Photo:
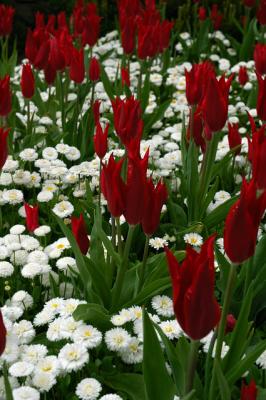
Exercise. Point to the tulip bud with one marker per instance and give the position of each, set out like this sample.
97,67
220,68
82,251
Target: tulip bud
100,140
243,76
202,13
261,100
32,217
260,58
94,70
77,69
125,77
2,334
79,230
249,392
234,138
230,323
6,19
3,146
261,12
27,82
5,96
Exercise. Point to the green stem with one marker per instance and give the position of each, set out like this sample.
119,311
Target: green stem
123,268
100,192
222,324
28,118
63,114
119,236
144,262
208,365
192,363
248,276
8,389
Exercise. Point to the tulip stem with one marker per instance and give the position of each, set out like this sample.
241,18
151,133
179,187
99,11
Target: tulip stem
117,289
28,117
8,390
192,363
144,262
119,236
222,324
248,268
208,364
63,116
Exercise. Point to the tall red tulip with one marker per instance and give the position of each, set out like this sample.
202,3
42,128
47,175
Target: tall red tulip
2,334
249,3
113,187
215,102
202,13
261,12
128,35
6,19
77,68
242,223
5,96
260,58
155,197
234,138
195,306
258,160
100,140
3,146
79,230
261,100
27,81
249,392
125,78
243,75
94,69
32,217
216,17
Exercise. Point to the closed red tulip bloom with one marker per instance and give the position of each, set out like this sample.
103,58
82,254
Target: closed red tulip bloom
197,129
100,140
27,82
128,35
79,230
2,334
125,77
155,198
3,146
249,392
6,19
113,187
96,111
261,99
196,308
196,80
234,138
202,13
32,217
5,96
243,76
230,323
42,56
128,121
260,58
77,68
261,12
216,17
249,3
215,103
94,70
136,189
242,223
91,29
258,159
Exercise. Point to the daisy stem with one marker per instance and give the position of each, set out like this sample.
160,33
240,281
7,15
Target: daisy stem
222,324
192,363
144,262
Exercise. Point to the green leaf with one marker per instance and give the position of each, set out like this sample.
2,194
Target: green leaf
158,114
152,289
219,214
246,49
222,382
130,384
177,214
158,383
192,179
107,84
95,314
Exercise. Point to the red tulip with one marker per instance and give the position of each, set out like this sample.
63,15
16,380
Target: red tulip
242,223
234,138
96,111
261,100
3,146
6,19
128,35
5,96
56,56
42,56
127,119
216,17
2,334
100,140
91,29
113,187
230,323
196,80
94,69
195,306
77,69
197,129
259,158
260,58
27,82
32,217
202,13
243,76
249,3
125,77
155,197
249,392
261,12
215,102
79,230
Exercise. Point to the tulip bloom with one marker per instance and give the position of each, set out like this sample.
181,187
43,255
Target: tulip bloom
128,36
5,96
32,217
3,146
202,13
215,102
260,58
249,392
196,81
77,68
242,223
261,100
27,82
155,197
113,187
258,158
6,19
195,306
94,69
261,12
79,230
243,76
234,138
2,334
96,111
100,140
249,3
125,78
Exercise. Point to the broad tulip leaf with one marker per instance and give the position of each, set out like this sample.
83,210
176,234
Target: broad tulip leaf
131,384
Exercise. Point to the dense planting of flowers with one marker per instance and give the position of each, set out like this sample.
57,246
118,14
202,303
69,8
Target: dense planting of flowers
132,207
